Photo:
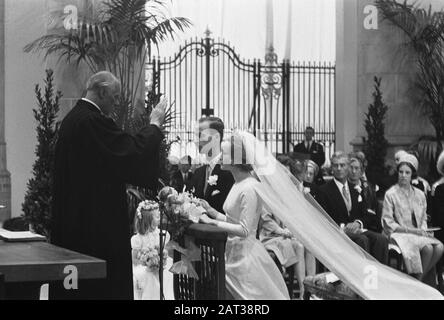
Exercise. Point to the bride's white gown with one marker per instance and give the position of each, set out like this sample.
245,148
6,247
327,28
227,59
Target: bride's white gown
251,274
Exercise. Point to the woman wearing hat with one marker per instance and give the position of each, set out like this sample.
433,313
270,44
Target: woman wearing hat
404,219
310,174
437,200
437,207
418,181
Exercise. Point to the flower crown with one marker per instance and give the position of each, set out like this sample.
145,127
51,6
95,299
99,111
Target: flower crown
147,205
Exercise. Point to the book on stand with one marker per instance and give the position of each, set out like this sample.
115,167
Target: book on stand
20,236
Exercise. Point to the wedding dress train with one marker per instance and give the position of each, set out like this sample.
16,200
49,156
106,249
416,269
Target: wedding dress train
322,237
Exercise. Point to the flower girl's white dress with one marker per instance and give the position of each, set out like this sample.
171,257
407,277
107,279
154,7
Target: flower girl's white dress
145,281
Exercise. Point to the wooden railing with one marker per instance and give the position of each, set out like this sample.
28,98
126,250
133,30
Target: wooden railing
211,269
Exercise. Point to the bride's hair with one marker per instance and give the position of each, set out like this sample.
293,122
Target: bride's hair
238,155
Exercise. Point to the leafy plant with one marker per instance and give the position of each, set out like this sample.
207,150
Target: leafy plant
375,146
38,199
424,31
118,38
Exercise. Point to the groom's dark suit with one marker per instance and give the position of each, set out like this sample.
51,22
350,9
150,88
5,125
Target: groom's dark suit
333,202
214,194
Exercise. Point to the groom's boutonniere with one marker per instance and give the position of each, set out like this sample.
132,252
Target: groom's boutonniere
306,190
359,189
212,180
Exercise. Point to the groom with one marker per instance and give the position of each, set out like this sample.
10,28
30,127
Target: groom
210,182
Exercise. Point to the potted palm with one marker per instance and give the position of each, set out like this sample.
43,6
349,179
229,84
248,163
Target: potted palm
424,33
119,37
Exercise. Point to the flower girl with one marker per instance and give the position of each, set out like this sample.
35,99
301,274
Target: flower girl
145,253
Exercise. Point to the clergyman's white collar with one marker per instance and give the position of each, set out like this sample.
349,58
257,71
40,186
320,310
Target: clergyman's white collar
93,103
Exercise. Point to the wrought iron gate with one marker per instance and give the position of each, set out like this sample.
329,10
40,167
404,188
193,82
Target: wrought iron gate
274,100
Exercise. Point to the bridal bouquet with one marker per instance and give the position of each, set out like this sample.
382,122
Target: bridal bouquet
180,210
150,257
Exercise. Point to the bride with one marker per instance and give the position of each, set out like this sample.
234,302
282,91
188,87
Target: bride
250,272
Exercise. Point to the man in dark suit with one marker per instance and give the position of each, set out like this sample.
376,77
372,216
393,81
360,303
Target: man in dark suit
183,176
346,208
210,182
94,160
309,147
367,192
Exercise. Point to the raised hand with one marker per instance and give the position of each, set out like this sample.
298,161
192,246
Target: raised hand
157,116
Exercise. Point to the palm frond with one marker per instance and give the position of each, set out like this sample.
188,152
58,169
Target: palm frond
117,38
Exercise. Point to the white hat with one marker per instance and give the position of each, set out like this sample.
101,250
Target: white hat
398,155
409,158
440,163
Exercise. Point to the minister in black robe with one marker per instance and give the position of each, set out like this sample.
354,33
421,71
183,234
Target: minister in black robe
94,159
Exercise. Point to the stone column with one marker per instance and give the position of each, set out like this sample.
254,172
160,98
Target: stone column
346,73
362,54
5,176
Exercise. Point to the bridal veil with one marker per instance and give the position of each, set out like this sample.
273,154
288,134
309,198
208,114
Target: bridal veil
322,237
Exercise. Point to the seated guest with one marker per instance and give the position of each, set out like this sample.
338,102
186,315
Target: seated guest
181,179
417,182
437,200
404,220
311,171
366,190
172,167
295,167
287,162
287,249
271,225
345,207
437,210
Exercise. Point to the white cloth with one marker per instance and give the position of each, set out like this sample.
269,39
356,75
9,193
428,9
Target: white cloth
311,225
146,282
93,103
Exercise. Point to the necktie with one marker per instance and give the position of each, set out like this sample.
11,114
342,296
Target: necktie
414,223
207,175
347,198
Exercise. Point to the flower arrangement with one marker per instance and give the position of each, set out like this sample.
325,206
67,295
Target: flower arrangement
359,190
179,209
150,257
212,180
147,205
